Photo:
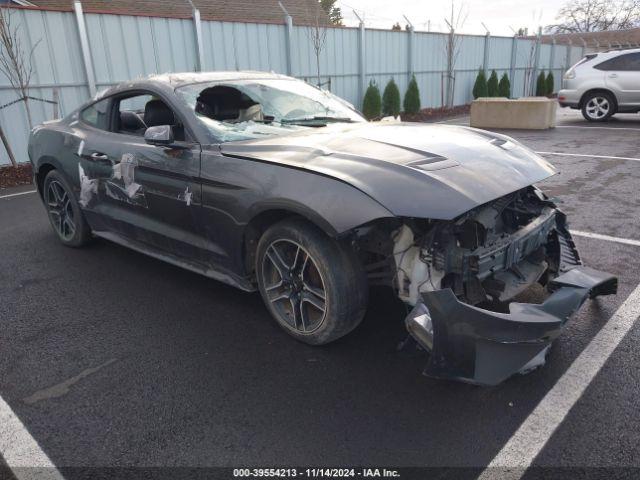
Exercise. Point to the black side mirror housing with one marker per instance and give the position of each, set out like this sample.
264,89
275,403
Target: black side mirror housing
161,135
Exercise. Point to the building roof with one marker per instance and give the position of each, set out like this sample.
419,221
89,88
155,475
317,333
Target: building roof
303,12
597,40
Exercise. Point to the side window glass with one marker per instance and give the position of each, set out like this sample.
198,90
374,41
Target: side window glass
634,62
135,114
606,65
96,114
623,63
135,104
130,115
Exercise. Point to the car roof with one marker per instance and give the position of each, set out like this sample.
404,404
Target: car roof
619,51
174,80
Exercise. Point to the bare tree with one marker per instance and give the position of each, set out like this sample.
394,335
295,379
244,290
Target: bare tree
7,147
452,48
317,33
596,16
15,59
529,79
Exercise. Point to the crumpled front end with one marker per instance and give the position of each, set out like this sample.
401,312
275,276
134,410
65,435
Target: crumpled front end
466,280
479,346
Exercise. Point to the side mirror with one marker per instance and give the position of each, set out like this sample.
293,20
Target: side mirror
159,135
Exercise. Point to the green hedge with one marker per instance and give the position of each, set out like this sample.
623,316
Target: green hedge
550,83
492,84
480,85
391,99
372,103
541,85
411,102
504,87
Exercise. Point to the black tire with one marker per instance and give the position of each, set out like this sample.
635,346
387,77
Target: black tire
64,212
314,262
598,106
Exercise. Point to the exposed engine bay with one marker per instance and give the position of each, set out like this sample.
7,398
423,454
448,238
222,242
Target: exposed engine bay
489,254
492,253
462,276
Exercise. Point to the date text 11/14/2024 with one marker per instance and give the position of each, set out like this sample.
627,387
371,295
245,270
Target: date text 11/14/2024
315,473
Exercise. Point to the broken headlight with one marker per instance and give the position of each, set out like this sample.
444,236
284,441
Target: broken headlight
420,326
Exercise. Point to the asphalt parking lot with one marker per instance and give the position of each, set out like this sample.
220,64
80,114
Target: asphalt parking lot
113,359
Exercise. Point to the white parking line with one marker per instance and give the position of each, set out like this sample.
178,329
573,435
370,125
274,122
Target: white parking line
16,194
607,157
457,119
598,236
528,441
599,128
20,450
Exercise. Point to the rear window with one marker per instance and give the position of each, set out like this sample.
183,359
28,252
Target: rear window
586,59
96,114
583,60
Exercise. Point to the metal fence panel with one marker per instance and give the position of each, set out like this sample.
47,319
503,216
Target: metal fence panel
55,62
341,60
500,53
386,57
125,47
576,54
430,66
545,56
470,54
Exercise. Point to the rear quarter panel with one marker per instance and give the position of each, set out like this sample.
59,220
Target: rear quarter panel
57,144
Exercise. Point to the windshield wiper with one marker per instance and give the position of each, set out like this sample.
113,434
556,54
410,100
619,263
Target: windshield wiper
315,121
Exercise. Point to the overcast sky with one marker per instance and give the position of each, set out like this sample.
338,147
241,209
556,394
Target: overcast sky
498,15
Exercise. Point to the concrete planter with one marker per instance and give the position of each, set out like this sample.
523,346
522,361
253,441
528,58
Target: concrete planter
528,113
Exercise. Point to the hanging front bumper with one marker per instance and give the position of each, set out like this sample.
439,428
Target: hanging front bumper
482,347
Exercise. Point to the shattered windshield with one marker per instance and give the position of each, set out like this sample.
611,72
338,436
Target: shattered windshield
246,109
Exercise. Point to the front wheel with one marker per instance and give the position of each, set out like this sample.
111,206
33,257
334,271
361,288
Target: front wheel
598,107
313,286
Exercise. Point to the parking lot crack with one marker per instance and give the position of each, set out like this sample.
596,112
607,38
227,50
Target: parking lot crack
62,388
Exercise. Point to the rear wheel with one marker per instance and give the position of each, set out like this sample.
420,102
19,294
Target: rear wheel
64,212
598,107
313,286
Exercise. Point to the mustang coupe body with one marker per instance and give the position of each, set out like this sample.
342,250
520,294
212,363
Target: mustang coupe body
267,183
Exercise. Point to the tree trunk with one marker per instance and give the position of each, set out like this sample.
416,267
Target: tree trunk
26,106
56,104
450,53
318,68
8,148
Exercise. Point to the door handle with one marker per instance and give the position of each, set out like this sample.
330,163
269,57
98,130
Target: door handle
99,157
613,75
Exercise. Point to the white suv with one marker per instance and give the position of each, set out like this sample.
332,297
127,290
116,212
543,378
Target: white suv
602,84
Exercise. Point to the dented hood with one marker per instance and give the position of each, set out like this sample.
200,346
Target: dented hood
414,170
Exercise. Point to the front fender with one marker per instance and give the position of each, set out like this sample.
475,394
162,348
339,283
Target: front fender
237,189
336,209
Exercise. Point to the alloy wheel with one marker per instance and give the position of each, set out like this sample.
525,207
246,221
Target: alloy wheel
294,286
598,107
60,210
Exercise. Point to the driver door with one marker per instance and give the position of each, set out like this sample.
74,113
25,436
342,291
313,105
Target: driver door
156,188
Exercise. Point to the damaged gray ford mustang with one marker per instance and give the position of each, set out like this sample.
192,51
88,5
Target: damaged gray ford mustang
267,183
